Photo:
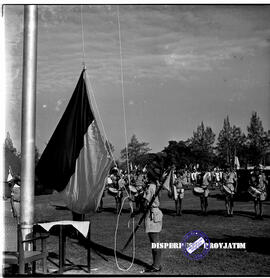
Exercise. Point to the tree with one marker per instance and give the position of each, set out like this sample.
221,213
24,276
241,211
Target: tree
136,150
257,140
178,154
231,142
201,145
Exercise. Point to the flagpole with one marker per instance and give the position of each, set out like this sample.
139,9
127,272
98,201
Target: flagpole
28,119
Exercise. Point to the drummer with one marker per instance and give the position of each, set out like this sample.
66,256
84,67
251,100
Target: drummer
117,183
258,180
204,184
179,182
229,179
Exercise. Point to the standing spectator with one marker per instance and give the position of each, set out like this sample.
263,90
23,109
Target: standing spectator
229,189
259,182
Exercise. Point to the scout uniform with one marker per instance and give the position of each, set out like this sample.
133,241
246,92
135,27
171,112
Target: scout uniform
153,219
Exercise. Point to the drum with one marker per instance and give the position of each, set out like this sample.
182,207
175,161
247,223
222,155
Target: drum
181,192
198,191
227,189
133,189
254,192
263,196
112,191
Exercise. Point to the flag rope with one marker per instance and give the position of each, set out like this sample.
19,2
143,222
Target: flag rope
83,50
106,138
122,89
127,159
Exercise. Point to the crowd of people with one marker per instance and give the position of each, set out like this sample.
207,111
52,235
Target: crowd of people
201,181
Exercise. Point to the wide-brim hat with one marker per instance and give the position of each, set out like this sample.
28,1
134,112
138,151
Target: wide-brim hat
156,165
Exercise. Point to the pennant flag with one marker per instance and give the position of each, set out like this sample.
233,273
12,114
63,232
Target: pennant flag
169,184
236,163
76,162
144,170
10,176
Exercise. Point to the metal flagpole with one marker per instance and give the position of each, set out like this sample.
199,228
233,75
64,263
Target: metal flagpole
28,119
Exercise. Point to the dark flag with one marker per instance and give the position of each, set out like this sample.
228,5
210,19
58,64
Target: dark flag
76,162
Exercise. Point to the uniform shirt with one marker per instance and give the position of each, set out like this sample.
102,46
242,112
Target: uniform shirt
150,192
259,181
206,179
229,177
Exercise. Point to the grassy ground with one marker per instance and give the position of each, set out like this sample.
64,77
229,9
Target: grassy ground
255,260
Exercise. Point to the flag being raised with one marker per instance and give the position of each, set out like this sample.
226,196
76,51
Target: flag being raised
76,161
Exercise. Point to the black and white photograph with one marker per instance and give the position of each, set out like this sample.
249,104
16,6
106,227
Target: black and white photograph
136,139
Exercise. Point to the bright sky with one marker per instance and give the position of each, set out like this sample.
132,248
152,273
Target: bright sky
182,64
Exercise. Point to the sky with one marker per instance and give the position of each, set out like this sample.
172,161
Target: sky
182,64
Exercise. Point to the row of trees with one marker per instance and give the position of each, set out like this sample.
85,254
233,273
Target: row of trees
201,148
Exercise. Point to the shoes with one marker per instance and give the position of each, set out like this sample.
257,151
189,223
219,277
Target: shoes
152,269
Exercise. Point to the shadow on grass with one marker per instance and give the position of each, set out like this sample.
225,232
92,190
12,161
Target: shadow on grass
60,207
110,252
98,248
219,212
113,210
194,212
253,244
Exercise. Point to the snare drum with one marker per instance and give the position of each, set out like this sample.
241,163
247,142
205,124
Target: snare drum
198,191
112,191
263,196
228,189
254,192
133,189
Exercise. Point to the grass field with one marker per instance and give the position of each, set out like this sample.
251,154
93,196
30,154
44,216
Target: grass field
254,260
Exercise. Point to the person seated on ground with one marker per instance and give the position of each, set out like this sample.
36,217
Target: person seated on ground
259,182
229,181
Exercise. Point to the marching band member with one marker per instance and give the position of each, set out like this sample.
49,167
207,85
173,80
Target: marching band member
229,180
259,182
194,176
179,182
118,187
205,181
